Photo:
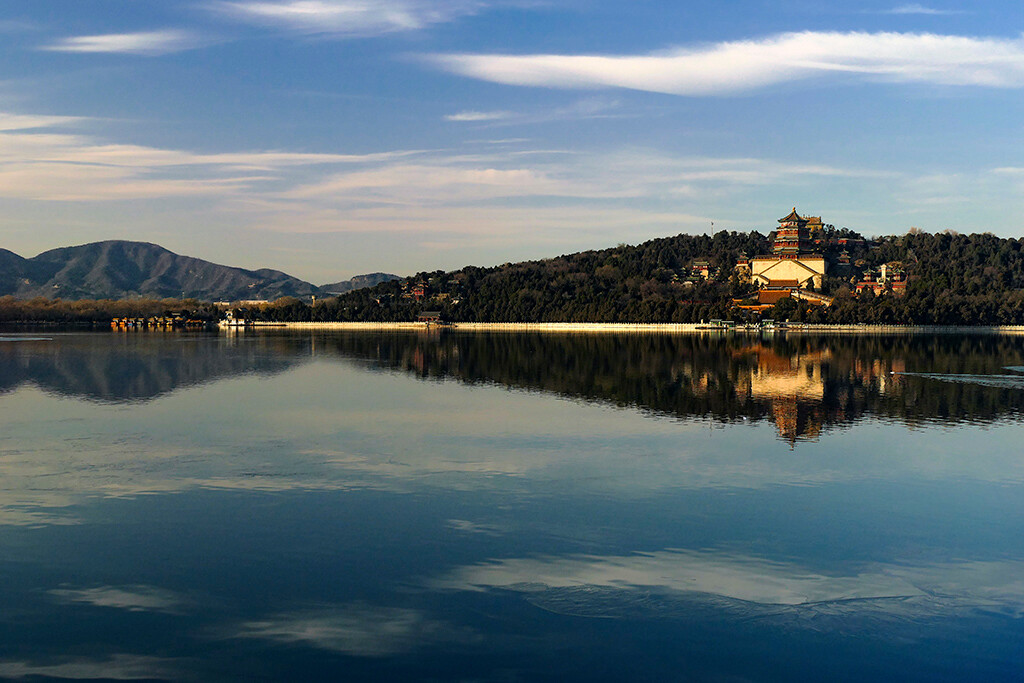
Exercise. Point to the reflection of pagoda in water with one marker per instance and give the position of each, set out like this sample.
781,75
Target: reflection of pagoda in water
794,387
797,421
805,385
800,399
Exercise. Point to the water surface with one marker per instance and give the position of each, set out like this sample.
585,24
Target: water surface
506,507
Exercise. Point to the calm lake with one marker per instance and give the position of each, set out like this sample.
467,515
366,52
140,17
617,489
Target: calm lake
511,507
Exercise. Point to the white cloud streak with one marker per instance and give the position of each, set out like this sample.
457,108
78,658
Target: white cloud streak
489,195
743,66
13,122
586,108
435,183
40,164
622,175
147,43
347,18
921,9
493,193
476,116
16,26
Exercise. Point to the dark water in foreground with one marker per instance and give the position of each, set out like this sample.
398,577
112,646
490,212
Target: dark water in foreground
504,507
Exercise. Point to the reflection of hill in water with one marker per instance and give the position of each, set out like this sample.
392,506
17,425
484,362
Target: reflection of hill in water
138,366
803,384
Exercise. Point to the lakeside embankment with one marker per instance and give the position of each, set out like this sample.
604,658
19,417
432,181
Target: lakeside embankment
501,327
566,328
678,328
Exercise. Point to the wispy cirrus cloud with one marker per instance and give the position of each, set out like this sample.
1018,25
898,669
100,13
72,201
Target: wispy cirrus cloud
17,26
477,116
352,18
743,66
586,108
435,183
921,9
630,174
487,192
11,122
39,163
148,43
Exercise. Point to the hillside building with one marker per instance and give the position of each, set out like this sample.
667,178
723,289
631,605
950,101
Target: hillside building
795,260
703,270
795,266
886,279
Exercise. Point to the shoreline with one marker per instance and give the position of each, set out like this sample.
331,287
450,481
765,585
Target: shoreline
573,328
643,328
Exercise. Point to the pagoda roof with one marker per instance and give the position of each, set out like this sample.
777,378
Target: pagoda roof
793,216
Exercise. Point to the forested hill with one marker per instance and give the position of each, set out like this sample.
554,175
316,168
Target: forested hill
646,282
953,279
118,269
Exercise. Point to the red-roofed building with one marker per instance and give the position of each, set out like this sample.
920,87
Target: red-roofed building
793,258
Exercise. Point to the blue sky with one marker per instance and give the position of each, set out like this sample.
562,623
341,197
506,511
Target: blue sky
329,138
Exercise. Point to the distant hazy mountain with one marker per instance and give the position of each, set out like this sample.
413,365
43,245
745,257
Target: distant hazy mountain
358,282
119,269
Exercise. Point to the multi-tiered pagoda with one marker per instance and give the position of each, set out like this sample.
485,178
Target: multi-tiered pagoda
793,238
794,262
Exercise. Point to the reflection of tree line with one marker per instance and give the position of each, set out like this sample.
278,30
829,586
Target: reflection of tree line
133,367
801,383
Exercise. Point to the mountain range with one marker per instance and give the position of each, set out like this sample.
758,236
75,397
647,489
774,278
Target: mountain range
118,269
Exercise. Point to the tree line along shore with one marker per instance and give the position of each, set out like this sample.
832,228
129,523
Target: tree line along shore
40,310
951,279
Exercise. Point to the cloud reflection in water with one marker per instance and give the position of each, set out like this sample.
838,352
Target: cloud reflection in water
118,667
136,598
359,630
745,581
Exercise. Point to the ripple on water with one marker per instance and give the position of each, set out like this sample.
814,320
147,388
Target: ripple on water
997,381
861,616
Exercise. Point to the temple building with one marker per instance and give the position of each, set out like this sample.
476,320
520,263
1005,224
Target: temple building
888,278
795,261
